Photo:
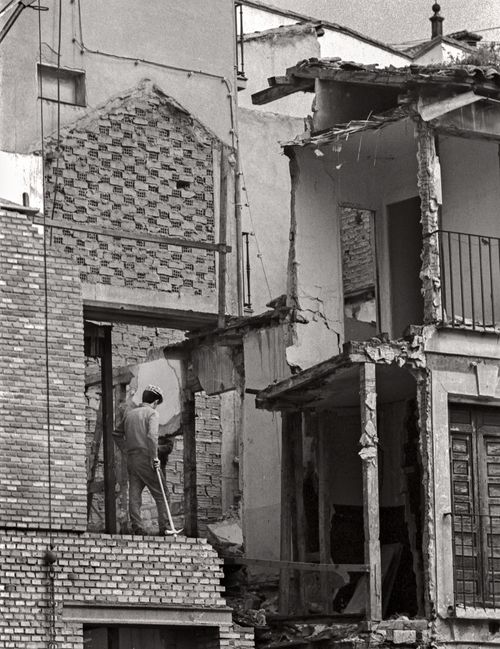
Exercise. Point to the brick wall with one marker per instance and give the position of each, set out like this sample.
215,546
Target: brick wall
24,485
94,570
140,164
91,569
358,267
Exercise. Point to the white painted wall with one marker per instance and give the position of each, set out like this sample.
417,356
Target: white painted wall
269,55
20,173
441,53
350,48
256,20
163,32
267,214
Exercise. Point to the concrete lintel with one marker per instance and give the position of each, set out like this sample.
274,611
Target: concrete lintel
457,342
142,615
119,306
475,613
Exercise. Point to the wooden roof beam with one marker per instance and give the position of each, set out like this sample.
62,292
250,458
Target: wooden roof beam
282,89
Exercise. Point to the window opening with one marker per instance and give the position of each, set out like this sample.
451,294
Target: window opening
72,84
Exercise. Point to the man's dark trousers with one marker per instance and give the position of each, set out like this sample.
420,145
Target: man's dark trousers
142,474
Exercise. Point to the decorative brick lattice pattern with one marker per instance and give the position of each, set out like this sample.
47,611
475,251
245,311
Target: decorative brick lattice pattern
358,265
24,485
139,164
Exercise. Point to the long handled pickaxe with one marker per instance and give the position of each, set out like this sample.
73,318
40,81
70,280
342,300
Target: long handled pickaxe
172,529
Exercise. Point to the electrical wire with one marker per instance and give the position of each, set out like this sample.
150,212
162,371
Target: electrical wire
49,556
259,251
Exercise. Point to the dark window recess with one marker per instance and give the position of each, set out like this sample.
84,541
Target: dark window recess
71,85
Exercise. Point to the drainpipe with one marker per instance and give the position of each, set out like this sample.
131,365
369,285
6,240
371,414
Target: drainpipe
239,236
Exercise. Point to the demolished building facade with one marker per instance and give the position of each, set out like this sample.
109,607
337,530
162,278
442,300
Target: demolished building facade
140,243
392,435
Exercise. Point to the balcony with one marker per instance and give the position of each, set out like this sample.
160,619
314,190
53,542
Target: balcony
470,280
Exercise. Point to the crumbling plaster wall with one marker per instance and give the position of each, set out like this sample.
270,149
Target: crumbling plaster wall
314,271
268,185
370,170
154,36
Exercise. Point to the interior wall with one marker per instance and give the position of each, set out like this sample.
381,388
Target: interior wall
372,170
470,268
260,458
470,176
315,263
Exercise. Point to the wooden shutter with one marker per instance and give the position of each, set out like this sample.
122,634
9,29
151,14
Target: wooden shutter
475,476
466,537
488,429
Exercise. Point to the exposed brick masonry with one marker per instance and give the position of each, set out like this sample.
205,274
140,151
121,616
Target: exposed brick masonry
92,569
358,270
23,435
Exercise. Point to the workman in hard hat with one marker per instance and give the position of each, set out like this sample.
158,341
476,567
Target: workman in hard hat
139,432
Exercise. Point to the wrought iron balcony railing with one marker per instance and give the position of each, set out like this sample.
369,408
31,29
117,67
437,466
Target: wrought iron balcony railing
470,280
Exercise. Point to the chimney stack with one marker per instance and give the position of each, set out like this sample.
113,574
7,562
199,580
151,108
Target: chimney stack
437,21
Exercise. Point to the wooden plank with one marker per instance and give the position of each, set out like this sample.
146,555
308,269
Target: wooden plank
300,516
136,235
222,266
279,91
94,459
432,109
324,515
286,512
331,568
107,432
189,450
301,380
369,460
